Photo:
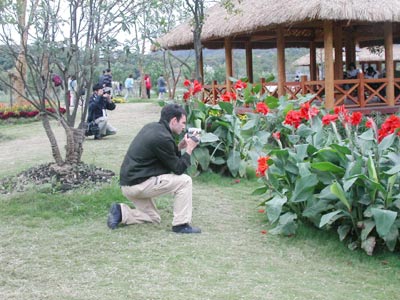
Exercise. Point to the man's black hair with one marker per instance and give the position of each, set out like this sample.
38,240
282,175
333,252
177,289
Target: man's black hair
171,111
97,87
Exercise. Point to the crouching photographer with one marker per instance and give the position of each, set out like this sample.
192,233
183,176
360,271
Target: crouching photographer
99,103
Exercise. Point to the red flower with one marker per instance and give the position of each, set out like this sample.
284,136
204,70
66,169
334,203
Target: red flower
261,211
227,97
355,118
186,83
340,110
328,119
186,95
276,135
262,166
263,231
293,118
370,123
197,87
262,108
307,112
240,85
389,126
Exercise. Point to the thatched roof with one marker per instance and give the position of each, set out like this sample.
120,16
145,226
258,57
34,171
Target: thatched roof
363,55
302,19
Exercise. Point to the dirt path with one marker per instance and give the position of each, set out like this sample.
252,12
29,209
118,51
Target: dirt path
30,145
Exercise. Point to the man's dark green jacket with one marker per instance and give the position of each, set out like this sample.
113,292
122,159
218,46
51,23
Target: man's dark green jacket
152,152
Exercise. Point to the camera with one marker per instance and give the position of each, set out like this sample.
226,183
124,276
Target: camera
192,132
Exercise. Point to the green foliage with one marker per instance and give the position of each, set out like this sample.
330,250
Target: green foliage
347,184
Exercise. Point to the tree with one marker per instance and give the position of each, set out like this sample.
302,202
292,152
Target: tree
65,39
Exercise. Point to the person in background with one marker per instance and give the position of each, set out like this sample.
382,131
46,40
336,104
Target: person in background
99,103
161,84
352,72
154,165
147,82
129,86
73,89
107,80
370,73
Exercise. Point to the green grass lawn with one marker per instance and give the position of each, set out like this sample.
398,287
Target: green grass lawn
57,246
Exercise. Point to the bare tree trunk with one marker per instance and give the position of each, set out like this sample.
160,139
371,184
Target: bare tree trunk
52,138
74,148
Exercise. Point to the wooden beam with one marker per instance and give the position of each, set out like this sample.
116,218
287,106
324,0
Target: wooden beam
280,41
388,30
201,67
228,63
313,61
249,62
329,70
338,51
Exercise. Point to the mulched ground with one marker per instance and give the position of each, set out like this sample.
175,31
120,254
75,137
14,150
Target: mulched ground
57,178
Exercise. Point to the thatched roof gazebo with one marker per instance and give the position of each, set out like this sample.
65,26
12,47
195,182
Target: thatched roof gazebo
292,23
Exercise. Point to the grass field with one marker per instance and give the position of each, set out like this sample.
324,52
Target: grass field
57,246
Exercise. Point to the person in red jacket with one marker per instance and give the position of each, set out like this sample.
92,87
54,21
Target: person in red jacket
147,81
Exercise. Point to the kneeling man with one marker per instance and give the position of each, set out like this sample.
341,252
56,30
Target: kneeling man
154,166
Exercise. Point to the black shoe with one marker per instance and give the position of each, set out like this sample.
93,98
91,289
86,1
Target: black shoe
98,137
185,228
114,216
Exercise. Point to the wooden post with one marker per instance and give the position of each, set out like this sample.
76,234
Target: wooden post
201,67
329,72
338,51
281,61
361,89
249,62
389,62
303,79
228,63
214,92
262,81
313,61
350,50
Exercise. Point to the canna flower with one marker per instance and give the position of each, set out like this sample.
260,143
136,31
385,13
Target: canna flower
390,125
262,165
227,97
328,119
186,83
276,135
261,211
293,118
370,123
356,118
262,108
263,231
240,85
307,112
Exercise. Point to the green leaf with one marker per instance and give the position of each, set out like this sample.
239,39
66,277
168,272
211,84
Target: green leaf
260,191
209,138
394,170
250,124
274,208
371,169
338,191
233,162
348,183
368,245
226,106
391,237
327,167
368,225
386,142
203,157
384,219
272,102
218,160
341,149
343,231
304,188
287,225
367,135
301,152
330,217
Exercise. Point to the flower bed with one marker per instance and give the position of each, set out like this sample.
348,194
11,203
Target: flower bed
23,111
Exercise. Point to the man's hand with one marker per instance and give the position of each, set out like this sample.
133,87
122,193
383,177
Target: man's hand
188,143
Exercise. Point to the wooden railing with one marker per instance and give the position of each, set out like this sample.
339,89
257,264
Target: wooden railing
360,92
